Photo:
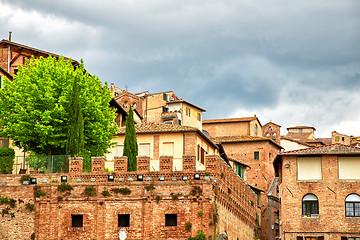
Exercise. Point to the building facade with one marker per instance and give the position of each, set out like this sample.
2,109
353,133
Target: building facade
319,188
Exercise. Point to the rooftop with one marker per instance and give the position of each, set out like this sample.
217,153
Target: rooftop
338,149
228,120
227,139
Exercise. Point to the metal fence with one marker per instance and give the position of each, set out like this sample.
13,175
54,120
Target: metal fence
41,164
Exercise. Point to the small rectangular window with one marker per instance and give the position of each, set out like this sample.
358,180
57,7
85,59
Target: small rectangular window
165,109
179,122
170,219
144,149
165,96
4,143
199,116
343,139
256,155
337,138
123,220
76,220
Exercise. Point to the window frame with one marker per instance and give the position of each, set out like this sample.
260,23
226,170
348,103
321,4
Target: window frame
355,205
312,205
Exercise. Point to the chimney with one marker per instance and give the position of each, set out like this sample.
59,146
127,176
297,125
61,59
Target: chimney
10,36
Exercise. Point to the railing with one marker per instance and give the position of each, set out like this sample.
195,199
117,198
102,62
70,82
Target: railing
41,164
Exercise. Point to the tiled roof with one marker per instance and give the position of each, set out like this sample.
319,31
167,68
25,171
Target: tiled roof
294,140
298,136
4,41
183,101
223,139
301,127
338,149
159,127
227,120
326,141
227,139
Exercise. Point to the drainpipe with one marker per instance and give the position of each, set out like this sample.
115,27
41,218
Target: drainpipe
9,53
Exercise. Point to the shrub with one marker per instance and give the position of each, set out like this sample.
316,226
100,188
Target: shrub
105,193
7,156
90,191
196,191
200,213
25,178
12,203
150,187
175,197
30,207
4,200
38,192
123,191
65,187
188,226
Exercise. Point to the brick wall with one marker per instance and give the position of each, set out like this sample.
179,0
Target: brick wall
331,194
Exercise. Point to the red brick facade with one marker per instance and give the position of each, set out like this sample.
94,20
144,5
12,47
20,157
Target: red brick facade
330,223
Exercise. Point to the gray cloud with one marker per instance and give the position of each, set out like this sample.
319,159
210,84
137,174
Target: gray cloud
292,62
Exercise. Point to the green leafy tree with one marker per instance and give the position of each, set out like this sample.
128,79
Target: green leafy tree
130,142
7,156
75,143
35,108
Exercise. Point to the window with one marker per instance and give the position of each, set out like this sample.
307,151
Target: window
123,220
343,139
165,109
256,156
0,81
274,136
349,167
188,112
168,149
336,138
352,205
270,128
240,171
256,129
119,150
16,71
4,143
165,96
76,220
179,122
144,149
170,219
199,116
309,168
310,205
201,154
310,238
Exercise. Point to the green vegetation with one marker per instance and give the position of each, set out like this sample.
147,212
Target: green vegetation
7,156
123,191
64,187
200,213
188,226
106,193
30,207
158,198
130,142
199,236
39,102
150,187
75,137
38,193
25,178
175,197
196,191
90,191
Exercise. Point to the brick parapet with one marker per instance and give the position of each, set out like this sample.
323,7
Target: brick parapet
75,165
143,164
97,165
166,164
189,163
120,164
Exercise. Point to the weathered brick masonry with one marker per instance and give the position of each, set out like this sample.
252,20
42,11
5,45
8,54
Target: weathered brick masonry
219,201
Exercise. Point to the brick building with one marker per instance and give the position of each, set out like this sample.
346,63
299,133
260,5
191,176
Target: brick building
148,204
319,188
242,141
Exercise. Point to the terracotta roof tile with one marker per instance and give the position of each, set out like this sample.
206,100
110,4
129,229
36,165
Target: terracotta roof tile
226,120
159,127
326,149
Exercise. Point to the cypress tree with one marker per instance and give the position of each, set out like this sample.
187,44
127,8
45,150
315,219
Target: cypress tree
75,142
130,142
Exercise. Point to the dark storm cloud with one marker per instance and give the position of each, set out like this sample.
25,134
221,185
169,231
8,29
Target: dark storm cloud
292,62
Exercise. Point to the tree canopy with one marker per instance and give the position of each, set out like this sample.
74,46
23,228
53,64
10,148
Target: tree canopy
130,142
36,107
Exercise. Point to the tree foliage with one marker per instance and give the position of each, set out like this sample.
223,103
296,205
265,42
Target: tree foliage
130,142
75,143
35,107
6,159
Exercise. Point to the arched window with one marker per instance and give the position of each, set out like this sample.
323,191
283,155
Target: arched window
352,205
310,205
256,129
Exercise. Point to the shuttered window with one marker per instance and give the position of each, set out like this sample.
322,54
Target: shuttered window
349,167
144,149
309,168
168,149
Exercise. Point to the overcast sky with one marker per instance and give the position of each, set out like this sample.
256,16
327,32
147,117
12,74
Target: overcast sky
289,62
